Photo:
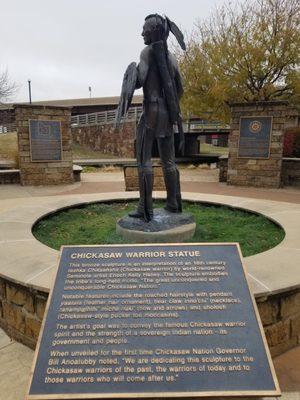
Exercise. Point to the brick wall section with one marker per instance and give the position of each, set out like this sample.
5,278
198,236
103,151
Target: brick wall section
106,139
22,309
44,173
132,181
251,171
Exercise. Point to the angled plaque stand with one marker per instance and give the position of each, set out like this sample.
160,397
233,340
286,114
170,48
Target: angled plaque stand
143,321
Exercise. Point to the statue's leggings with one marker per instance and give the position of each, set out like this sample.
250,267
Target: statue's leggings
144,144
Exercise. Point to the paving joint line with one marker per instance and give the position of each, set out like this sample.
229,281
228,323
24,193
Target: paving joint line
40,273
16,240
261,283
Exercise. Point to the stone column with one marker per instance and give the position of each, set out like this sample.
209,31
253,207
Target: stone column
40,169
257,168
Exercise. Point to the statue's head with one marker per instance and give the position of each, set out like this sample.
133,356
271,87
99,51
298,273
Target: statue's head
154,28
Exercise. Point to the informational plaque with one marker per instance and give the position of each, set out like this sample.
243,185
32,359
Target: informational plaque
45,140
151,321
255,134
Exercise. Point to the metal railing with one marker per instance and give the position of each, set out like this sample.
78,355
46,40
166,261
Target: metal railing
104,117
199,126
7,128
134,113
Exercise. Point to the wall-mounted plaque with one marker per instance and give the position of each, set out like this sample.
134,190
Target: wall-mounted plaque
45,140
255,135
151,321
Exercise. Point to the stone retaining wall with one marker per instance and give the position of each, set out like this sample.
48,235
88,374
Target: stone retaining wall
12,176
290,171
22,309
105,139
280,315
132,181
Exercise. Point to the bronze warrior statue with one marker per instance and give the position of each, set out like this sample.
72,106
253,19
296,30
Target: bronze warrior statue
158,74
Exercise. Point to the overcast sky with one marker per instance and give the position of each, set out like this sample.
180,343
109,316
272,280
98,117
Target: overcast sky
65,46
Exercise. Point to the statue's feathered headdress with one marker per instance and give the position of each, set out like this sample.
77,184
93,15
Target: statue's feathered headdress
162,26
166,26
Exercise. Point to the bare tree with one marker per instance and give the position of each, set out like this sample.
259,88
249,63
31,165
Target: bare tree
7,88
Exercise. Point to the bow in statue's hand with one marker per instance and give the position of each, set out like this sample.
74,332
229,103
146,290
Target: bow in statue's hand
128,87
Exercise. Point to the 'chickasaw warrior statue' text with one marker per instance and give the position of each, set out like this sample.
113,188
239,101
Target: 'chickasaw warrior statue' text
158,74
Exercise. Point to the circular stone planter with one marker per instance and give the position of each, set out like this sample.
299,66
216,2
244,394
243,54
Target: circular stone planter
27,266
164,227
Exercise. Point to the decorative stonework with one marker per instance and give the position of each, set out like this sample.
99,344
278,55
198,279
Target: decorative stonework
45,172
259,172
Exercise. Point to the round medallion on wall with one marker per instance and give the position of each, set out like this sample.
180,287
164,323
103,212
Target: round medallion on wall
255,126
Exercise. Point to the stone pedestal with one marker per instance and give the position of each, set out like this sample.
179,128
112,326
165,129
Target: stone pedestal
165,227
52,170
256,165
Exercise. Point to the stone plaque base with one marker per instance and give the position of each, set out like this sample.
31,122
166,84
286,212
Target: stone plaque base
165,227
44,143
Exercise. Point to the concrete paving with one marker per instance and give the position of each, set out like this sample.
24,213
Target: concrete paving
19,206
15,364
193,179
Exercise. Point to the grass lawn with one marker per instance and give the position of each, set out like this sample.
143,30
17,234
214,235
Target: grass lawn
96,224
9,146
209,148
83,152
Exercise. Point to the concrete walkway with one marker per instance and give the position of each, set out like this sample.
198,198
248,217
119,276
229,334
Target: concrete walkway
15,364
193,179
16,359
